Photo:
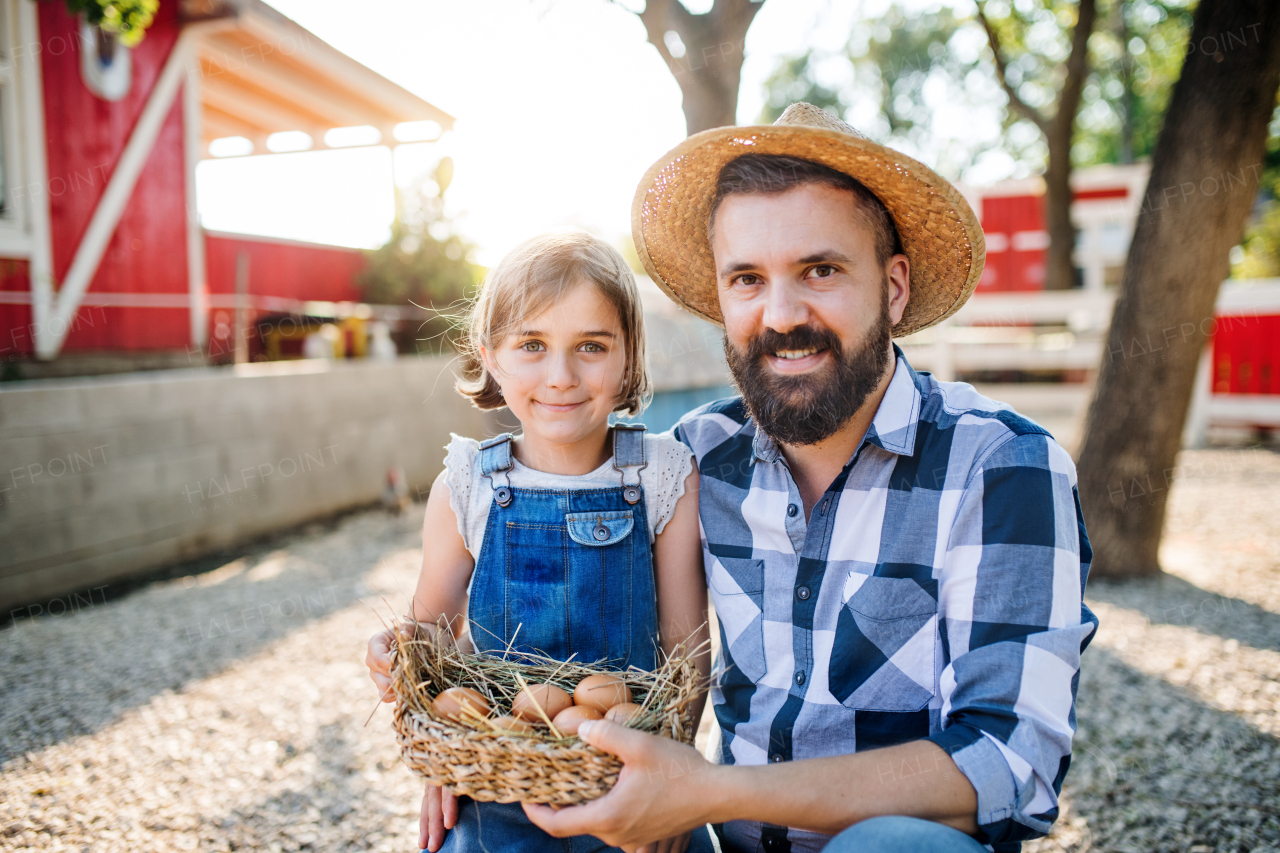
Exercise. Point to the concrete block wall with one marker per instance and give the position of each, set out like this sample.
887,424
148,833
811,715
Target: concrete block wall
104,478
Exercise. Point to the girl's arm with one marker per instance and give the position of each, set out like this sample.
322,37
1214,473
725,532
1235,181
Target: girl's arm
682,586
446,564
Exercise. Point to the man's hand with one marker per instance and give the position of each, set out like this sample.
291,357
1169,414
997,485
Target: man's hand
378,659
439,815
664,787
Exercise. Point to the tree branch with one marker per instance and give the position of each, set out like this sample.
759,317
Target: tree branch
735,16
1015,100
661,16
1077,64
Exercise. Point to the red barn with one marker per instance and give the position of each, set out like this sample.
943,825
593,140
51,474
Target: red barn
101,250
1104,207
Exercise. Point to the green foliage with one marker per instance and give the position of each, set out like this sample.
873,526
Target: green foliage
127,19
792,81
1260,255
890,65
425,263
889,79
1133,83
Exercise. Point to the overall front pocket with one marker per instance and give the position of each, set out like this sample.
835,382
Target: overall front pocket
601,528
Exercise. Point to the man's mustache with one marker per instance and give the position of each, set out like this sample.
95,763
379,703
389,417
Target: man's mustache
770,341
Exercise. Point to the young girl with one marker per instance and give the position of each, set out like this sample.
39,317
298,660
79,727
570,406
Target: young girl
572,538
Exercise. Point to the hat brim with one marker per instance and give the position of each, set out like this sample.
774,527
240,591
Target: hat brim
940,233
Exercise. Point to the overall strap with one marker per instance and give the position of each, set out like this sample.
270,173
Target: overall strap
495,458
628,458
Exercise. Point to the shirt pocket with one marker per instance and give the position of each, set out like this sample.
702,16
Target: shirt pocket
599,529
737,591
882,657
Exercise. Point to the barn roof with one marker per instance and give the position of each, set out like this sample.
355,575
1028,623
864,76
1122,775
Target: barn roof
263,73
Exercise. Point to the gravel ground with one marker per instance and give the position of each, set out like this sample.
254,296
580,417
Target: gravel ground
1179,705
228,710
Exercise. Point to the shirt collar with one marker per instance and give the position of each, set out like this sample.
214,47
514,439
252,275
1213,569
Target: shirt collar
894,426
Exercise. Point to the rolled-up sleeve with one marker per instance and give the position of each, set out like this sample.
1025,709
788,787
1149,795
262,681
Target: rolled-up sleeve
1013,626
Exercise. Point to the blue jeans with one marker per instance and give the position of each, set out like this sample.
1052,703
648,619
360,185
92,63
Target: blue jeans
503,827
892,834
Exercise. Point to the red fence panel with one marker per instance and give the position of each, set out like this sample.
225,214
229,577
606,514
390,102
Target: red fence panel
1246,355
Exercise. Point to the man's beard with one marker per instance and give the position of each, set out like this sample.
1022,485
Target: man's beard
808,408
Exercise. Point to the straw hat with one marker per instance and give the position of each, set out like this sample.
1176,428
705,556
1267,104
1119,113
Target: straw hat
939,231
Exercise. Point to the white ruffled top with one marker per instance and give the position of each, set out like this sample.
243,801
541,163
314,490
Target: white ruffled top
471,495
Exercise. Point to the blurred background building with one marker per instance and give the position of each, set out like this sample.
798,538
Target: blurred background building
106,265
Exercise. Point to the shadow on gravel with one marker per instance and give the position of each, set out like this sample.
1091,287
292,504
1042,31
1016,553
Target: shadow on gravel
1157,769
343,802
1170,600
62,677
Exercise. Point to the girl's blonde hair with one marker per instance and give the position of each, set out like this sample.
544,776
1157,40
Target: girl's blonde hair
528,281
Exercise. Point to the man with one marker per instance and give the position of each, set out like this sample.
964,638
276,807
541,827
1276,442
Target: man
897,564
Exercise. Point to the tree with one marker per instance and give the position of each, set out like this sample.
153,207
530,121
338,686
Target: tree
888,65
1204,178
704,54
425,263
1040,50
910,68
1058,126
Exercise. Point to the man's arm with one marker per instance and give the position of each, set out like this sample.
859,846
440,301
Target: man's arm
827,795
667,788
1010,606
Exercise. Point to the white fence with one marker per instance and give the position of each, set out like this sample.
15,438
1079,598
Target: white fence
1005,331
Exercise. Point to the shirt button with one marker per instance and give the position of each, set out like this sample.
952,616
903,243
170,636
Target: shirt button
776,757
800,677
792,510
803,593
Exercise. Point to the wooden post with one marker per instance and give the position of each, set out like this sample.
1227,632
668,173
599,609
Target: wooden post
242,308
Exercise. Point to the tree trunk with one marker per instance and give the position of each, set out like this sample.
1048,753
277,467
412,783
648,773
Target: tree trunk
1060,267
710,71
1059,133
1204,178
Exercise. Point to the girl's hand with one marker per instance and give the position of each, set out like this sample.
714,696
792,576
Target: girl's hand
439,815
378,659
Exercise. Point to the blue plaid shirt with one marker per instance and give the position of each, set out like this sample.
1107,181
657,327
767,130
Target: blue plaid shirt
935,592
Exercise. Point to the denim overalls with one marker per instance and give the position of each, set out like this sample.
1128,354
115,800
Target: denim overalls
563,573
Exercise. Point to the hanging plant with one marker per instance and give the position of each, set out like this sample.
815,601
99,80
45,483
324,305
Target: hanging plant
126,19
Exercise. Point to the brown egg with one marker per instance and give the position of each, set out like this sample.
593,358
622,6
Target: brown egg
601,692
454,702
623,713
568,720
512,726
551,699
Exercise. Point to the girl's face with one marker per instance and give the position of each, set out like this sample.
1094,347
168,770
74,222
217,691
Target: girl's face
561,372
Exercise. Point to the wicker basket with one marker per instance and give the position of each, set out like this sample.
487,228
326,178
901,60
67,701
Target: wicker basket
486,764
